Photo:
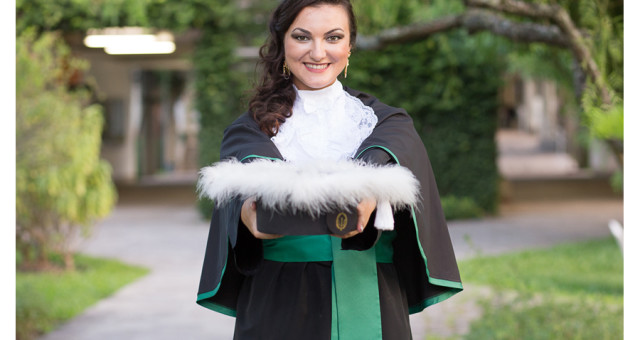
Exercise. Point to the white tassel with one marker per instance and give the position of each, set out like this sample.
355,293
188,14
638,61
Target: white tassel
384,216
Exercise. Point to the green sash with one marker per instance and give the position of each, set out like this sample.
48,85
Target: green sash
355,297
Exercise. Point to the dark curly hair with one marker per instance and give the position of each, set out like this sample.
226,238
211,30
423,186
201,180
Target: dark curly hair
274,96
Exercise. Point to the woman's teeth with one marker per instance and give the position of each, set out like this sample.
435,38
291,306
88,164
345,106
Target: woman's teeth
317,67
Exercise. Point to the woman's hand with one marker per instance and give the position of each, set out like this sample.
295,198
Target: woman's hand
249,218
364,208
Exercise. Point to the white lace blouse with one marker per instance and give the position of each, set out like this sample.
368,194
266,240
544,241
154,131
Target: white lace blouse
328,124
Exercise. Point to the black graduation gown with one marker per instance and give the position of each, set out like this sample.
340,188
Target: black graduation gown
271,299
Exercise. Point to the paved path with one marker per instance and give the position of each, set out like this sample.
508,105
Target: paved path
170,240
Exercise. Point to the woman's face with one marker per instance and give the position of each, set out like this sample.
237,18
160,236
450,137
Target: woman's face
316,46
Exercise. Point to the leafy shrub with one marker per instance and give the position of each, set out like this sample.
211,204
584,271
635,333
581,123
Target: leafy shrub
460,208
61,183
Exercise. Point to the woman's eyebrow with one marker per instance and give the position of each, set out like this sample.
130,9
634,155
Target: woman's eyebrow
302,30
309,33
334,30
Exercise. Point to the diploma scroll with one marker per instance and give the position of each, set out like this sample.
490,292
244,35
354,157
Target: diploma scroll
337,222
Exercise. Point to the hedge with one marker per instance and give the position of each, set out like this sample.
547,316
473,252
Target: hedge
449,85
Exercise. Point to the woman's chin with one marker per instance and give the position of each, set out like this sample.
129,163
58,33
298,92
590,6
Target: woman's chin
314,85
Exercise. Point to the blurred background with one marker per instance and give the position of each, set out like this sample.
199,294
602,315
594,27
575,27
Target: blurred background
120,102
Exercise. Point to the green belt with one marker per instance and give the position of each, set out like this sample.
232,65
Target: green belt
318,248
355,299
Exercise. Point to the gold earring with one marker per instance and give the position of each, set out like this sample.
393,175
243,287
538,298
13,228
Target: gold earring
346,67
286,72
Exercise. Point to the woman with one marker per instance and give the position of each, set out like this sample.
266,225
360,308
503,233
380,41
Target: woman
361,286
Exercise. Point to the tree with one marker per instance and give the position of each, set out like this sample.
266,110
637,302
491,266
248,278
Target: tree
591,30
61,183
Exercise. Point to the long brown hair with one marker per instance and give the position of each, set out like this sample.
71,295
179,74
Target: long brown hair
274,96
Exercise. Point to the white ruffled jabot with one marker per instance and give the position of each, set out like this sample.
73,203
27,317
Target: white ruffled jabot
325,124
328,124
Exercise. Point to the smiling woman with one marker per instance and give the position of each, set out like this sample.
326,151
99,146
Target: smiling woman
295,283
274,97
316,51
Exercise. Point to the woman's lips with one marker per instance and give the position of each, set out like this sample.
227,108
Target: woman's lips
316,67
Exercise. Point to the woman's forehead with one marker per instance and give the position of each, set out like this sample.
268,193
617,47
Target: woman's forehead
321,19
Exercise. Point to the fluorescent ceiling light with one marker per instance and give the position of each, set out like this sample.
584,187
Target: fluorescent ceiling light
155,47
104,40
130,40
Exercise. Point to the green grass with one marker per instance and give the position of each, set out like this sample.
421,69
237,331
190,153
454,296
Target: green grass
572,291
45,300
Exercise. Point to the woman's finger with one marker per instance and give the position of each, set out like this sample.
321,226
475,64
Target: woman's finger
347,235
365,208
263,236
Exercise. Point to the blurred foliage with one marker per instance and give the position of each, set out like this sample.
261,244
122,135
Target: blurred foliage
460,208
80,15
61,183
571,291
223,85
617,181
375,15
449,85
602,22
45,300
607,122
539,61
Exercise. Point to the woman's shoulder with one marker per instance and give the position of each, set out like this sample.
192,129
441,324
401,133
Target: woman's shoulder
243,137
245,119
381,109
245,123
242,128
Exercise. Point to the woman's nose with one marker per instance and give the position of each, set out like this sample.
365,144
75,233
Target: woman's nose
318,51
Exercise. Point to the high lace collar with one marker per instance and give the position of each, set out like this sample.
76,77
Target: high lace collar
316,100
327,124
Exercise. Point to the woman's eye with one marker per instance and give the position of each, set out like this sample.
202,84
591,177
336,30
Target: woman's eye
301,38
334,38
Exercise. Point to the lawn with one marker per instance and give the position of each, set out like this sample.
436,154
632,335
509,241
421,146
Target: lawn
572,291
45,300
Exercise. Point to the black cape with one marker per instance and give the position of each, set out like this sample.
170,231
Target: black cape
423,254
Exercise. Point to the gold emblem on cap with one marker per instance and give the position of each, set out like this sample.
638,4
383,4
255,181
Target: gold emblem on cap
341,221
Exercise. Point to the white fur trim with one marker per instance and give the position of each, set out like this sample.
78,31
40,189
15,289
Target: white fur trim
314,187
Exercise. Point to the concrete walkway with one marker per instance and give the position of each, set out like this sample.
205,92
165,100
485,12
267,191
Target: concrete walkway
170,240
